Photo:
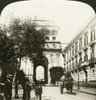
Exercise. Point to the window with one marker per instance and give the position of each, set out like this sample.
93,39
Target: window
47,38
54,32
76,61
54,45
92,35
76,47
92,53
53,38
72,50
69,64
80,44
86,56
47,46
80,60
85,39
72,62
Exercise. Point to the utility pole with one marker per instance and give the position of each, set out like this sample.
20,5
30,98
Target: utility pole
78,80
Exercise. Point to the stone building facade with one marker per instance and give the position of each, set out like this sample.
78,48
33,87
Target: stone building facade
80,55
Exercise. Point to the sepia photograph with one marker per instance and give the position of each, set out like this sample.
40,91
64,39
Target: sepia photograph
47,50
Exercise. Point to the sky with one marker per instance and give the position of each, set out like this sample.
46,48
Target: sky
70,16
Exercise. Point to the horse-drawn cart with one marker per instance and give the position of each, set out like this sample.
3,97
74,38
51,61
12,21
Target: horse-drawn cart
68,84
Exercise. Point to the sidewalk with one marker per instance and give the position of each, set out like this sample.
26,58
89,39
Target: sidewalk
87,90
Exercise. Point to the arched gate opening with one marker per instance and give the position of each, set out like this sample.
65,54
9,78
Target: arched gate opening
40,69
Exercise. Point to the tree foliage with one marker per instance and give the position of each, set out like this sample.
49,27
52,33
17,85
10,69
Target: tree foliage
6,50
56,73
25,34
27,37
30,42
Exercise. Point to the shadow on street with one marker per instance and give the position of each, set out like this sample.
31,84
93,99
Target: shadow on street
73,93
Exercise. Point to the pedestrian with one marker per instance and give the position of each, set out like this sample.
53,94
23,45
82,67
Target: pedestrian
38,91
71,83
33,86
61,87
27,89
23,86
8,87
62,83
16,89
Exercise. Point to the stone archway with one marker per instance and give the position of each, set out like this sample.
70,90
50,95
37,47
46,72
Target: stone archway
43,61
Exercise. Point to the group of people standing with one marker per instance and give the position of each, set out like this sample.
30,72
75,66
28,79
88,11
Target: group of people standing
7,90
37,87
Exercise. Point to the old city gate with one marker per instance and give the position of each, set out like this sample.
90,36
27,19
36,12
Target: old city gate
43,61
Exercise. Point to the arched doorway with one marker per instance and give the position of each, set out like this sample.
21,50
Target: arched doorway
40,69
40,73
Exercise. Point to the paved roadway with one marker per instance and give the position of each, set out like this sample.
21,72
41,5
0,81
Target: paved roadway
53,93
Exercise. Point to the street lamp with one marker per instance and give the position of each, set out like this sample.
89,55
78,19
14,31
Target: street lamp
78,76
78,80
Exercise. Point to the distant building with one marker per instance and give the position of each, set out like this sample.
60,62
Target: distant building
52,48
80,55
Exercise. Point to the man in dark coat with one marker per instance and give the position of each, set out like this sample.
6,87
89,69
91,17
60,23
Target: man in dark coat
27,89
8,87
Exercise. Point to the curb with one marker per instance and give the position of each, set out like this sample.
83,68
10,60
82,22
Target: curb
85,92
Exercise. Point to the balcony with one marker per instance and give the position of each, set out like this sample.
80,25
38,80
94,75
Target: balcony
74,68
69,70
84,64
92,60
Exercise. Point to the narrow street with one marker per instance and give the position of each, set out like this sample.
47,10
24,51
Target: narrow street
53,93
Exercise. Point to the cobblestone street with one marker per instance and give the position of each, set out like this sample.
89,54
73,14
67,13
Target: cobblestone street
53,93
